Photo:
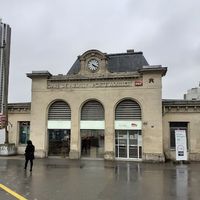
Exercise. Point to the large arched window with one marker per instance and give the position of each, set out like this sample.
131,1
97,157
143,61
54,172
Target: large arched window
92,127
59,128
128,130
92,110
59,110
128,110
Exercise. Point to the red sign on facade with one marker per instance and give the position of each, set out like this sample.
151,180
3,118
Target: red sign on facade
2,120
138,83
133,125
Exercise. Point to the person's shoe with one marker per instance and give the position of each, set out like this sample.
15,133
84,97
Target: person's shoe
30,170
24,168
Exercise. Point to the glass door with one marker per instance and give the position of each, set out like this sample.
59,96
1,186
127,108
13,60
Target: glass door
92,143
121,144
135,144
59,142
128,144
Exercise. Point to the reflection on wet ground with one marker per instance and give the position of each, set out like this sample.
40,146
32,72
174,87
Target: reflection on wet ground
100,180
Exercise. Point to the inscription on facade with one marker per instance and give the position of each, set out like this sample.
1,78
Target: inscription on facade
98,84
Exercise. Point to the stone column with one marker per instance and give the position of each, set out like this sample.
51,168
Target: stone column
109,133
75,134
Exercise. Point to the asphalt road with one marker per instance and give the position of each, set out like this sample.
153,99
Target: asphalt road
64,179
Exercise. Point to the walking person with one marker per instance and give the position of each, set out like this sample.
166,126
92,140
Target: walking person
29,154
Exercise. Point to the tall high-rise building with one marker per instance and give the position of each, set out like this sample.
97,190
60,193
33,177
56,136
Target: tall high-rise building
5,37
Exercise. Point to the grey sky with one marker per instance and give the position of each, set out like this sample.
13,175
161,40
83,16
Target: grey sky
49,35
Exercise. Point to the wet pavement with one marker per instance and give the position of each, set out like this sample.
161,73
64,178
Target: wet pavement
64,179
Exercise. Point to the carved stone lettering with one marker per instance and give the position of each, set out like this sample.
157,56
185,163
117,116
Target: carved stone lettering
99,84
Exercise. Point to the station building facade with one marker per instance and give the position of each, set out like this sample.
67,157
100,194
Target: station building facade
108,106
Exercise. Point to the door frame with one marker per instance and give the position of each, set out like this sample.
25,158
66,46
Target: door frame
128,145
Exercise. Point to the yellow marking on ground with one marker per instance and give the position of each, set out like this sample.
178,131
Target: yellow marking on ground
12,192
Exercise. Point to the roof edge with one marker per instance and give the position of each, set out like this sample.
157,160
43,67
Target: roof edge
154,68
41,73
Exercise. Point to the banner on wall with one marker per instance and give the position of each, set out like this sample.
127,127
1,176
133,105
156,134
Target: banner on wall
128,125
181,145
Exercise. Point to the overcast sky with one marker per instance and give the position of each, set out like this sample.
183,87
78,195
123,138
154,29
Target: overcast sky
50,34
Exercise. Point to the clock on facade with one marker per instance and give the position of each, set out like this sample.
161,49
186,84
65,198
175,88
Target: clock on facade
93,64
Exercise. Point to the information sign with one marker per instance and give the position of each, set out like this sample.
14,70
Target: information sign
181,145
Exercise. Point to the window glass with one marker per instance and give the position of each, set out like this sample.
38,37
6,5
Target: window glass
24,132
176,126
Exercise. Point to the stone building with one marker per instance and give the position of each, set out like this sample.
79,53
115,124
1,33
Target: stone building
107,106
181,115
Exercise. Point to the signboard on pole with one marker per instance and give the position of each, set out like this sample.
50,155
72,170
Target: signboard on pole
2,136
181,145
2,121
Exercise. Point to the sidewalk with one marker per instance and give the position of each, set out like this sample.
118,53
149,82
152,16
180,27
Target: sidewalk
65,179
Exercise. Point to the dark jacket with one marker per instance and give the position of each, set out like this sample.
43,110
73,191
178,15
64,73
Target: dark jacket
29,152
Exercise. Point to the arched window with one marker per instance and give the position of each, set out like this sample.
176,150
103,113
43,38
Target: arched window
128,110
59,110
92,110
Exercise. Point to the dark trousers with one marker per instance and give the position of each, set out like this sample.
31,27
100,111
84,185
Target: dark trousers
31,164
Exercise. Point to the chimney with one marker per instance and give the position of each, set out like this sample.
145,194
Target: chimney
130,51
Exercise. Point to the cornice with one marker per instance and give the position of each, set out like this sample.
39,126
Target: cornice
180,106
36,74
19,108
95,77
153,69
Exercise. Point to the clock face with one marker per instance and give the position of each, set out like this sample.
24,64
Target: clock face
93,64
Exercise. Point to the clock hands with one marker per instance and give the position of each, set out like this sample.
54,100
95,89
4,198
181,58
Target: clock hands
94,65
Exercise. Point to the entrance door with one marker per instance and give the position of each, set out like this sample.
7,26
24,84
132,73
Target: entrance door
59,142
128,144
134,141
121,144
92,143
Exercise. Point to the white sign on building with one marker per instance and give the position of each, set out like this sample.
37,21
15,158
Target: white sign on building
181,145
128,125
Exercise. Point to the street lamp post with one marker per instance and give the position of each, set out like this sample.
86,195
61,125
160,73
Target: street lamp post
4,114
4,107
5,36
